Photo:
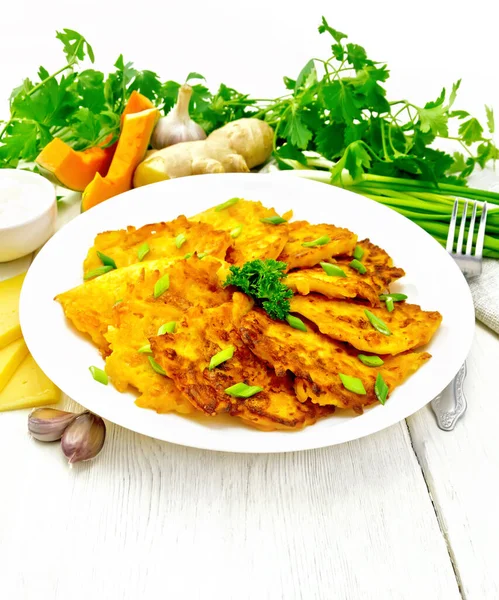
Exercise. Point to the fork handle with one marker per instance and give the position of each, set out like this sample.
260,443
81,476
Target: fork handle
451,403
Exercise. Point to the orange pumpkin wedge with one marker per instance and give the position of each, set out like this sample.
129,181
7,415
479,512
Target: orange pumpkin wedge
132,146
71,169
136,103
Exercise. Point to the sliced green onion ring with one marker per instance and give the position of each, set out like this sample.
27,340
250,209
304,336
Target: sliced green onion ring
221,357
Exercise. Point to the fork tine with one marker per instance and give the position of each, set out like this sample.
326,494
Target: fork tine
481,232
452,227
471,230
460,239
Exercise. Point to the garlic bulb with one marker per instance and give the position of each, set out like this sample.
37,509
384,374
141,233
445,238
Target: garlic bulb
177,126
49,424
84,438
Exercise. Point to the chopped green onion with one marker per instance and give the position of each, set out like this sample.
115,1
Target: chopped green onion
97,272
167,327
161,285
394,297
358,266
227,204
333,270
143,251
180,240
381,389
155,366
389,304
371,361
296,323
322,241
202,254
273,220
106,260
241,390
236,232
377,323
145,349
118,302
353,384
99,375
221,357
188,255
358,253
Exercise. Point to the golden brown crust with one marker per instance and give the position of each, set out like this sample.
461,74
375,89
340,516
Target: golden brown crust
295,255
317,361
410,326
257,240
185,357
122,245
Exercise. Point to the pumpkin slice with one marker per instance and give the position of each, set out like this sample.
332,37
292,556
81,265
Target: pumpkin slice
71,169
136,103
132,146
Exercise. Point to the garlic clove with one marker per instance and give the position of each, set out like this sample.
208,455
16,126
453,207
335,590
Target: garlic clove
49,424
84,438
177,126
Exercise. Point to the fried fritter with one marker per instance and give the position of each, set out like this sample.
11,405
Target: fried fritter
256,240
378,263
410,326
295,255
122,245
317,361
354,285
185,356
90,306
122,327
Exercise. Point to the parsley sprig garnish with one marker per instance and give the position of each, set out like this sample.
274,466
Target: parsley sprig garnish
262,280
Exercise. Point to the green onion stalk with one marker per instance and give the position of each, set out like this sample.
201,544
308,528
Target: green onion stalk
423,202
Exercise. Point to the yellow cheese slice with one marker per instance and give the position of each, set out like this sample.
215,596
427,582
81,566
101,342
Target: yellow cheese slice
10,290
10,358
28,387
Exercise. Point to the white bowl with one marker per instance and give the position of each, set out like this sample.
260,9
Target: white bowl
36,224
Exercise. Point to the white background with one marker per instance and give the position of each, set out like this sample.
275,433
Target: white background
408,513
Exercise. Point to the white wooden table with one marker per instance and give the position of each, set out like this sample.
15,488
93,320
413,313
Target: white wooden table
408,513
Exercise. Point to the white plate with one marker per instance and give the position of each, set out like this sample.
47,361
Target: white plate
432,280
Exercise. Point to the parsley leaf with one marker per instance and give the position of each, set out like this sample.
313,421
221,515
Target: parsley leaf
262,280
471,131
297,132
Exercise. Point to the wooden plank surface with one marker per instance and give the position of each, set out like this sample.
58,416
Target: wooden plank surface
147,517
462,469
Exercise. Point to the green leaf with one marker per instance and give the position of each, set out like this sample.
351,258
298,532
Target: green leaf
458,165
20,143
289,83
453,94
75,45
337,35
357,160
486,152
366,83
340,100
471,131
147,83
434,119
307,76
338,51
288,151
297,132
460,114
330,140
86,125
194,75
490,118
90,86
357,57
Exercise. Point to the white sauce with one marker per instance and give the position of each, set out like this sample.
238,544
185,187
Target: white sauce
19,201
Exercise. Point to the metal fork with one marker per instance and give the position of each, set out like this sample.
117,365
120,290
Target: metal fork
451,404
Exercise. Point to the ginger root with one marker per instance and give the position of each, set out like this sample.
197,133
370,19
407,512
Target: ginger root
234,148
